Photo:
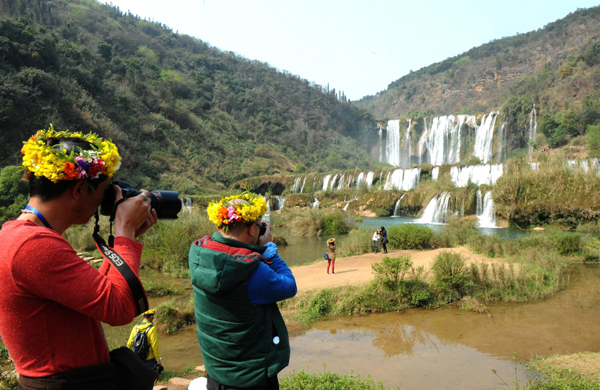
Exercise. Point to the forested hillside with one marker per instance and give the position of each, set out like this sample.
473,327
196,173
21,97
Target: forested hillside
186,115
557,68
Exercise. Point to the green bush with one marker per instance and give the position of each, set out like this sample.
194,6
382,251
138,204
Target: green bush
410,236
174,315
450,275
357,242
391,270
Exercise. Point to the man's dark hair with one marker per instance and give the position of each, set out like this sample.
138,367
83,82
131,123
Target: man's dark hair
45,188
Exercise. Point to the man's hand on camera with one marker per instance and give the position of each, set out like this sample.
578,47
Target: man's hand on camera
267,237
271,251
134,215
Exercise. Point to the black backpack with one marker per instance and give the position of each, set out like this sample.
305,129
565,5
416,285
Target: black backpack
140,343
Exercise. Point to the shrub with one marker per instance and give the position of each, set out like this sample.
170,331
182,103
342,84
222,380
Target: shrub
357,242
174,315
410,236
391,270
450,275
167,244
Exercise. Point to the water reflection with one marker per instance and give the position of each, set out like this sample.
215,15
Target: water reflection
453,349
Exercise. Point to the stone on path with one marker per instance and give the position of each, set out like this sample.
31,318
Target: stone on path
180,381
201,369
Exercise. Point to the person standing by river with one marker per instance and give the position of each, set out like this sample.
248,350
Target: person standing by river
375,240
331,255
238,277
384,239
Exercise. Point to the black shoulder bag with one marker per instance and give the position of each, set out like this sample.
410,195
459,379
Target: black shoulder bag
134,374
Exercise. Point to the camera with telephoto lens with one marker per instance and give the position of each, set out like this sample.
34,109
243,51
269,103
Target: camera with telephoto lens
166,203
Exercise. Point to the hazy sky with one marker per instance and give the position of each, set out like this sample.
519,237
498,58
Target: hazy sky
358,47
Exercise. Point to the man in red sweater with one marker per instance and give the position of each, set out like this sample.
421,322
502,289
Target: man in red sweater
51,301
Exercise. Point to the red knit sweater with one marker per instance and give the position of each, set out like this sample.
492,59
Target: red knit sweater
51,300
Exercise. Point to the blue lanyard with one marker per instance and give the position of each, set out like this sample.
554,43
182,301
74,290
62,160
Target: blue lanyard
39,215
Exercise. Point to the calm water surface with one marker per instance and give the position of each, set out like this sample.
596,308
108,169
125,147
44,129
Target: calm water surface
438,349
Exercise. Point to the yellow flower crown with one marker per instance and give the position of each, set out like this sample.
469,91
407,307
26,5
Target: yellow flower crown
55,164
226,213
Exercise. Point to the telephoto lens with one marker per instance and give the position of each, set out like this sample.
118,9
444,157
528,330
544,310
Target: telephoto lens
166,203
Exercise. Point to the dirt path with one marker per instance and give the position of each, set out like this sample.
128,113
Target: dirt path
357,269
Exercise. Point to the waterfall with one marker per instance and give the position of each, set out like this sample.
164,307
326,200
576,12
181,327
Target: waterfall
380,132
369,179
436,211
411,178
392,145
477,174
340,182
303,183
296,188
315,204
326,182
501,154
380,177
486,210
407,148
346,206
484,137
360,179
532,128
422,145
187,204
397,207
403,179
435,172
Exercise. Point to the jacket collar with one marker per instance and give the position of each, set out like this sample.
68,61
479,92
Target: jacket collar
218,237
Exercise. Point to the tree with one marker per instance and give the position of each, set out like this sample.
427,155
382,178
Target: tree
13,192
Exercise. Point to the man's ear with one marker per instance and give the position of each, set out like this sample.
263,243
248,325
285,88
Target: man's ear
78,188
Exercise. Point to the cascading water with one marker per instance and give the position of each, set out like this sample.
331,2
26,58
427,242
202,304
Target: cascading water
436,211
392,144
406,150
435,173
441,140
326,182
303,183
484,137
369,179
315,204
501,154
477,174
397,207
485,210
403,179
532,128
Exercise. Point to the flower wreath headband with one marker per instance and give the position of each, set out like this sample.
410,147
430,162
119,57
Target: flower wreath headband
55,164
226,212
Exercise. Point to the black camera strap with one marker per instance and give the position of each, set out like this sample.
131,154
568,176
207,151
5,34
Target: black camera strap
139,295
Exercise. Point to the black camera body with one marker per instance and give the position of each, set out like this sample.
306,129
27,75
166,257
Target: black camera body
263,228
166,203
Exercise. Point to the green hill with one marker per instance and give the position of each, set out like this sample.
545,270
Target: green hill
186,115
556,67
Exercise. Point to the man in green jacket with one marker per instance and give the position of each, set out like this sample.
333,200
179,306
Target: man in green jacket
238,277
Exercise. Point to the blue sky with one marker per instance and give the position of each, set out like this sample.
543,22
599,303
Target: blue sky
358,47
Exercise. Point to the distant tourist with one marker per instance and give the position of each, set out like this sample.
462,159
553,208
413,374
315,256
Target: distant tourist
331,255
149,350
375,240
238,278
384,239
